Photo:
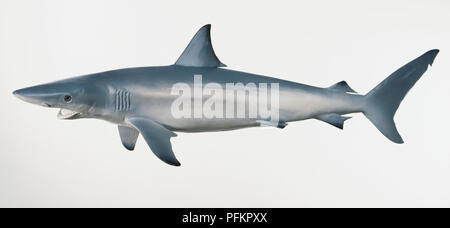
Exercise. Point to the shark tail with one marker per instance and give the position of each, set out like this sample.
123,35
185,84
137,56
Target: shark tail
382,102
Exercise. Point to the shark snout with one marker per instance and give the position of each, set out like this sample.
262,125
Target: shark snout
33,95
23,94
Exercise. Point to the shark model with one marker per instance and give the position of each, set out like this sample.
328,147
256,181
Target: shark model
139,100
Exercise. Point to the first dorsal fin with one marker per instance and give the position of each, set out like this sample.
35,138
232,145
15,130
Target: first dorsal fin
199,52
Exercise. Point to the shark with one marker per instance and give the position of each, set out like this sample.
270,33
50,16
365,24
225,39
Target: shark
140,100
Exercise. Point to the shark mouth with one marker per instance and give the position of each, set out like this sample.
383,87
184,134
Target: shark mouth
66,114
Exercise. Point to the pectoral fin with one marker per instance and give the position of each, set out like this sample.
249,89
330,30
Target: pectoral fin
128,136
157,137
333,119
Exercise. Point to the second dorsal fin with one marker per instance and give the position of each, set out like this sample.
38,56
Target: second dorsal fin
343,87
199,52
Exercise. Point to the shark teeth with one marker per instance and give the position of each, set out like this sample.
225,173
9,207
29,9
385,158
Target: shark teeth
66,114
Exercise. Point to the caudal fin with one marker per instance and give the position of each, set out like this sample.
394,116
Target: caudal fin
383,100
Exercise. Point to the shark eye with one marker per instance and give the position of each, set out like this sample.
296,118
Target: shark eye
68,98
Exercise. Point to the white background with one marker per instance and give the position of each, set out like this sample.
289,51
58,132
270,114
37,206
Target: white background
45,162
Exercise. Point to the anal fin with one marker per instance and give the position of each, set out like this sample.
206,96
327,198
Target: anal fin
333,119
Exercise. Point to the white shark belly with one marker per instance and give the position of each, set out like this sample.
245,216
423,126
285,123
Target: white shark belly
294,104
